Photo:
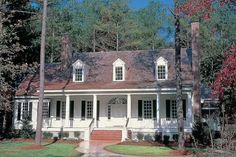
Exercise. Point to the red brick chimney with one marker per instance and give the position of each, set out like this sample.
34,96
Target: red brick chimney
196,69
66,53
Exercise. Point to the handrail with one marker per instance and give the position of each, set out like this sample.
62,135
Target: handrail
127,122
91,123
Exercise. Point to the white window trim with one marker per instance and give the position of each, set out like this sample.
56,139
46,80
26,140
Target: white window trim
78,65
118,63
151,109
162,62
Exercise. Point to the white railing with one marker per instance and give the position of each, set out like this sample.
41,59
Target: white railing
91,126
172,122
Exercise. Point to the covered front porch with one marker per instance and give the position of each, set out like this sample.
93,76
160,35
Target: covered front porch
137,112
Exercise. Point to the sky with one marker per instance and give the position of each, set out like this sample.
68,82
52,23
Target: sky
137,4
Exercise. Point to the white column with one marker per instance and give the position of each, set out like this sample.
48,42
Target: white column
158,110
128,106
95,109
189,116
67,111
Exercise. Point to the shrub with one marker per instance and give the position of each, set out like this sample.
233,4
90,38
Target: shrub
148,137
157,136
140,136
47,135
175,137
27,130
77,134
13,134
201,133
63,134
166,139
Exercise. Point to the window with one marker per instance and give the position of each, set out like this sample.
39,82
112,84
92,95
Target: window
161,69
109,112
89,109
24,110
79,75
45,109
147,109
78,71
161,72
118,70
119,73
63,110
173,109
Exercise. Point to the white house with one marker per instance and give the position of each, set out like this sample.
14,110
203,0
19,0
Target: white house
110,95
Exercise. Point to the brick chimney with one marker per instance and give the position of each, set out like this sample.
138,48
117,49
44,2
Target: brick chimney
196,69
66,54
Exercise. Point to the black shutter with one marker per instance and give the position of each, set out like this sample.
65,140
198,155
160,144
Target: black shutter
154,109
49,109
19,111
184,108
71,110
98,106
140,110
83,110
58,111
30,111
167,108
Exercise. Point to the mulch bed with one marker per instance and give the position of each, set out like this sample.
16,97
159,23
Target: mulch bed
46,140
33,147
148,143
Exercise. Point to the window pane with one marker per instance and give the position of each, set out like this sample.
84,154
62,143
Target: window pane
89,109
119,73
173,109
63,110
161,72
147,109
25,110
79,74
109,112
45,109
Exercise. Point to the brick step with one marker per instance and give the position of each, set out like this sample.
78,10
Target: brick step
106,135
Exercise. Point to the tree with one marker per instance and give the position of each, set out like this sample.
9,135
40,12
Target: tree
38,136
13,17
224,86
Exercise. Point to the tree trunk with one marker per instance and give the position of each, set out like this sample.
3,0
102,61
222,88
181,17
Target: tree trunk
117,38
42,62
94,40
179,104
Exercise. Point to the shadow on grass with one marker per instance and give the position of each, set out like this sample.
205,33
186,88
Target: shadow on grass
54,141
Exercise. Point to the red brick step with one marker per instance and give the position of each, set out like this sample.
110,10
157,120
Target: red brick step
106,135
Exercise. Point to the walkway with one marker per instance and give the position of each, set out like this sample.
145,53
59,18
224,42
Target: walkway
95,149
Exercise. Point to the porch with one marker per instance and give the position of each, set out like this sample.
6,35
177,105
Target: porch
134,112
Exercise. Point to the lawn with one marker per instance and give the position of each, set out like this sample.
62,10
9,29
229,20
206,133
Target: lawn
149,150
14,149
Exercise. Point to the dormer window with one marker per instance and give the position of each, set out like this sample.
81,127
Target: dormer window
78,71
79,74
118,70
161,69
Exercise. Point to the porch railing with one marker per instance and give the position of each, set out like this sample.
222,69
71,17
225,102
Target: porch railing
91,126
127,122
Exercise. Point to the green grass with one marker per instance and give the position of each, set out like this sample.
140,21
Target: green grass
146,150
13,149
139,150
